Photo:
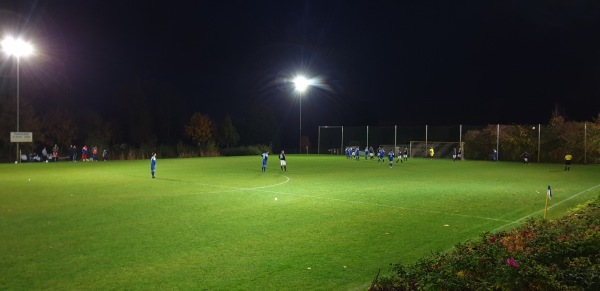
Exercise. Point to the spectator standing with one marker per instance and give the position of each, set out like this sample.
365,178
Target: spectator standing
74,156
55,153
84,152
94,153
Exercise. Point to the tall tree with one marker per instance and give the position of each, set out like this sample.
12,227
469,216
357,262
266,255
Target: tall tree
229,135
60,128
200,129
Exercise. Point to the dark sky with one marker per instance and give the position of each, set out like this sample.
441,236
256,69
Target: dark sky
378,62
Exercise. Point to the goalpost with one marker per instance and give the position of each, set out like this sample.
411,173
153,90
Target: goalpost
442,149
332,139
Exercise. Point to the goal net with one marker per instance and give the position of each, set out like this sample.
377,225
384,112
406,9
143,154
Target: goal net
442,150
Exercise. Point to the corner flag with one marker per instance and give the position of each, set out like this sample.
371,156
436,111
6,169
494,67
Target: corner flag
548,197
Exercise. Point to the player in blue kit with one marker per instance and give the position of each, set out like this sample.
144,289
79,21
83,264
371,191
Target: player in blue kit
391,157
265,156
153,164
380,154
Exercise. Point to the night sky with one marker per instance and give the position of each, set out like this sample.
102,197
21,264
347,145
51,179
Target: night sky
377,62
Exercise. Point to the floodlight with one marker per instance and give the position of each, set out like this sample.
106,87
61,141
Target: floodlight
16,47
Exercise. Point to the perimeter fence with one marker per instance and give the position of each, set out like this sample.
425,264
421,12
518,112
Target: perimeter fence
539,142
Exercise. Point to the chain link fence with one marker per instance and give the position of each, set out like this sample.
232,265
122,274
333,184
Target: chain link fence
539,142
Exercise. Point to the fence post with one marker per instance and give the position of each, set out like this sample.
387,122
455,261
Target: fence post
342,147
498,141
585,143
539,139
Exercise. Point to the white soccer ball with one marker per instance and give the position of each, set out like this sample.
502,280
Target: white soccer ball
46,161
275,198
15,162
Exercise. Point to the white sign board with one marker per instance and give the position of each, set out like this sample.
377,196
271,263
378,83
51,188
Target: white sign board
21,136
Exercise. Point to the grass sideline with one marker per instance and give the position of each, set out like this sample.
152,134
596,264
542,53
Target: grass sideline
214,223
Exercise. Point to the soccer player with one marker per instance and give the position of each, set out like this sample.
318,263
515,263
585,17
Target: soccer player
568,159
94,153
391,157
357,153
282,161
265,156
459,154
454,154
405,154
153,164
525,156
381,154
399,156
105,155
495,157
431,152
371,153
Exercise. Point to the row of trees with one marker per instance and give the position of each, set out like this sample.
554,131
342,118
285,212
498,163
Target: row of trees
140,118
551,142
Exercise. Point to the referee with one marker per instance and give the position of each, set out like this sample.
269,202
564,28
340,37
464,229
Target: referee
568,159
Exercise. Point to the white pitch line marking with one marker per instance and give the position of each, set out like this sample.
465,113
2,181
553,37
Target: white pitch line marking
539,211
233,189
391,206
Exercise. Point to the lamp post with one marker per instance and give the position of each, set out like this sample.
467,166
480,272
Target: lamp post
300,85
17,48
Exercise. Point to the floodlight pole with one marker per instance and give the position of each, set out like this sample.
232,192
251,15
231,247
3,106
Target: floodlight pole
18,93
300,138
301,84
539,139
17,48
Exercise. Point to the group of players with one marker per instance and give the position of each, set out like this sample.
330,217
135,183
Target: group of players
282,161
353,153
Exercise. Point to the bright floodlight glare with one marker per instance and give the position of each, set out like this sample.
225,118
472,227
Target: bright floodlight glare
16,47
301,83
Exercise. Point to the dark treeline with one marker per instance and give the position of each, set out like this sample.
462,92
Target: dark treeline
550,143
139,118
142,117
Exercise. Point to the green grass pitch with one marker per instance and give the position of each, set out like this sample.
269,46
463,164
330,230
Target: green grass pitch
220,223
